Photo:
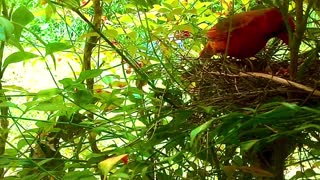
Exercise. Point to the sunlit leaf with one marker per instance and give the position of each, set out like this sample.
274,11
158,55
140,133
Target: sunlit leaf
316,164
120,175
107,79
6,29
56,47
246,3
49,10
88,35
24,142
164,10
66,82
89,74
48,106
119,84
106,165
48,92
16,43
22,16
72,3
132,35
111,33
177,11
14,87
132,50
18,57
9,104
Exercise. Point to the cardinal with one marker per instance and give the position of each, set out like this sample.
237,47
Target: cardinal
244,35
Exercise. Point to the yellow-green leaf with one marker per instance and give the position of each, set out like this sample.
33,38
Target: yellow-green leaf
106,165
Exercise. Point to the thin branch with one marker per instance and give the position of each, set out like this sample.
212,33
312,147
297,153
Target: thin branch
273,78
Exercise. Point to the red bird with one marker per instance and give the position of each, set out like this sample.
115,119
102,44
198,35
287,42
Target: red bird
249,33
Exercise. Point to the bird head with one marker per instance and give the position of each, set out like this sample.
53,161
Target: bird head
283,35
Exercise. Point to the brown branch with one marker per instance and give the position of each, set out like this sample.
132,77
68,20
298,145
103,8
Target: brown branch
88,49
273,78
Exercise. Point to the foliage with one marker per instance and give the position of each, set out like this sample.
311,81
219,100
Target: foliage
139,119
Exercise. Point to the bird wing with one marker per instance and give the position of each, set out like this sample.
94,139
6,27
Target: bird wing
220,30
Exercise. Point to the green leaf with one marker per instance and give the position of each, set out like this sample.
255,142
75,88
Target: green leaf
316,111
67,82
72,3
83,97
48,92
88,35
310,173
4,161
22,16
120,176
119,84
132,35
8,104
184,27
245,146
40,163
107,79
207,109
16,43
48,106
237,160
81,175
3,36
24,142
106,165
111,33
246,3
89,74
49,12
298,175
55,47
18,57
6,29
199,129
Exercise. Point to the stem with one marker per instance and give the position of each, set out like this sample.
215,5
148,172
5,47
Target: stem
88,49
4,122
296,39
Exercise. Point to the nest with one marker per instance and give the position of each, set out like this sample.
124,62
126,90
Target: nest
230,84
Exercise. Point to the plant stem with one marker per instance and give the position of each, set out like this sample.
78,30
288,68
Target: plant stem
88,49
4,122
